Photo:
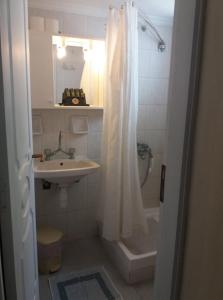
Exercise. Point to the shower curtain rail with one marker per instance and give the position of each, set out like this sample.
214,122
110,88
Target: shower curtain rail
161,44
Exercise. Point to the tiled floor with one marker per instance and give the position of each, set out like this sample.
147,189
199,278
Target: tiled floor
88,253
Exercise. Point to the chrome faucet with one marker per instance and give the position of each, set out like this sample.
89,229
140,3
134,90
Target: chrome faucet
144,150
49,154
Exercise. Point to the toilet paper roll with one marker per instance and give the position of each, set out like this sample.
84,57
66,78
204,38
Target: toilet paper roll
52,26
36,23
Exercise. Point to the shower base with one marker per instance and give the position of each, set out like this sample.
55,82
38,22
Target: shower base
135,257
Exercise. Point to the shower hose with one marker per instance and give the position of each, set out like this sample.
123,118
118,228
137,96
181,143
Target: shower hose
148,168
145,152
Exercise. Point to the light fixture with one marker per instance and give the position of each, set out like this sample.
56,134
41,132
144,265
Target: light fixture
61,52
87,54
61,47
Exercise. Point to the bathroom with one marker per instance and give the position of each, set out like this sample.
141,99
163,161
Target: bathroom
111,178
73,210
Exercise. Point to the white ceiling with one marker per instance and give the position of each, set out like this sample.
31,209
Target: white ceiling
159,8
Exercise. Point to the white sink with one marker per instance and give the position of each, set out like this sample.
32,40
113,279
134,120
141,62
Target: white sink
64,171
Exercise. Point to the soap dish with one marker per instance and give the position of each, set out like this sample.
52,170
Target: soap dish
79,125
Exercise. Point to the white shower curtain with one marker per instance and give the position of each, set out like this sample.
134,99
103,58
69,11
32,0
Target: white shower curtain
121,196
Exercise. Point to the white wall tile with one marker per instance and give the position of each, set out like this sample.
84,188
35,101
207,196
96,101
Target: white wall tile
47,201
95,121
91,226
52,122
144,91
76,224
48,14
79,142
37,144
159,91
96,27
68,115
152,117
77,195
75,25
147,41
142,117
156,117
160,64
50,141
153,91
94,145
93,195
145,61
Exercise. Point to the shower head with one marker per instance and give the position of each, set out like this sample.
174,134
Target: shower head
161,43
161,46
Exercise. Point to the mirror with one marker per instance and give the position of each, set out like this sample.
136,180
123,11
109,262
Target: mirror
61,62
79,65
68,70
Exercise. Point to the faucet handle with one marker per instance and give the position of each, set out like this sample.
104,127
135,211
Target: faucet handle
71,152
47,151
39,155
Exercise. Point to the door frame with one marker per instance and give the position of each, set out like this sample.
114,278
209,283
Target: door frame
184,84
2,286
7,264
15,265
188,35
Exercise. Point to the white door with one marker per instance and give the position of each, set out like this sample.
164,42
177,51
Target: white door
2,293
18,229
187,14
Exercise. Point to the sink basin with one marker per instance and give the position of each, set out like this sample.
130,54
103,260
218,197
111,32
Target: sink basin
64,171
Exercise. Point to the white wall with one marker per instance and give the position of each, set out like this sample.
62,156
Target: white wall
154,68
73,24
79,218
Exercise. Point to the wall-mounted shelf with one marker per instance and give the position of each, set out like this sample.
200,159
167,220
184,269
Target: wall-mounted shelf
58,107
